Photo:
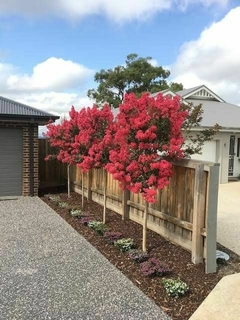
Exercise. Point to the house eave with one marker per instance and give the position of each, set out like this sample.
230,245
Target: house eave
40,120
222,129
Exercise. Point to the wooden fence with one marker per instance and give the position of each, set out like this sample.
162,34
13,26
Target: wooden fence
185,212
50,173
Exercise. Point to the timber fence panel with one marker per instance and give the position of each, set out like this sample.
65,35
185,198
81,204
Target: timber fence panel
52,172
185,211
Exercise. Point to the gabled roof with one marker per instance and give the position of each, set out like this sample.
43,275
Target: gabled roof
164,93
215,109
13,110
199,92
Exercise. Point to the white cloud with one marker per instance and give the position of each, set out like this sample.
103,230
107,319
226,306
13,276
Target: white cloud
52,74
49,87
183,4
117,10
55,102
153,62
213,59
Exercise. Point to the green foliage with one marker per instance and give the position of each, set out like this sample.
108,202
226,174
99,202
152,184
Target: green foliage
54,198
175,288
138,75
76,213
63,205
98,226
124,244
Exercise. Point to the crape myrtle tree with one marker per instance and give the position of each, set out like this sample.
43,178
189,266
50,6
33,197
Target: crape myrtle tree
95,128
137,75
147,137
61,136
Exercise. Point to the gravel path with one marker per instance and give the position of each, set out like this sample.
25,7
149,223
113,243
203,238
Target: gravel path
48,271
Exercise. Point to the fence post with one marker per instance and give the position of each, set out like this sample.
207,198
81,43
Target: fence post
89,185
125,206
46,142
211,212
145,218
198,215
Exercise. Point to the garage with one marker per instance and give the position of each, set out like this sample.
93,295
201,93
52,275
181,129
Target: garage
11,162
19,147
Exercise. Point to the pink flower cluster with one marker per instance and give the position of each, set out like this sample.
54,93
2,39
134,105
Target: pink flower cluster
137,148
145,128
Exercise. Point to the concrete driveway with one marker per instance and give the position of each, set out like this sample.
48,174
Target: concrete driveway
228,230
48,271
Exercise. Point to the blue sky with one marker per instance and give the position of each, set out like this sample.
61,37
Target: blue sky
50,52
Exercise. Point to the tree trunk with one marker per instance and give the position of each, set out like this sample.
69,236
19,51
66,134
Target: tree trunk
144,241
104,194
68,177
82,192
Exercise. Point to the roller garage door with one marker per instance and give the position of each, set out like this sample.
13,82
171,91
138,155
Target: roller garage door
11,162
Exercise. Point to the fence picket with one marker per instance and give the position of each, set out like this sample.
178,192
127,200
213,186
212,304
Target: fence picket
185,213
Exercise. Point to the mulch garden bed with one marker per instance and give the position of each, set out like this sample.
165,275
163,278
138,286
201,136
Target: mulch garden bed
178,259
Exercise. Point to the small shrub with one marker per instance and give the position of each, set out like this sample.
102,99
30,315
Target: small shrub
138,255
63,205
76,213
85,220
154,267
111,236
54,198
124,244
98,226
175,288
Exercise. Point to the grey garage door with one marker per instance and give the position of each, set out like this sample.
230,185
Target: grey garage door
10,162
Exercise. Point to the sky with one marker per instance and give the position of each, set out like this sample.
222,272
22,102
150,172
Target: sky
50,50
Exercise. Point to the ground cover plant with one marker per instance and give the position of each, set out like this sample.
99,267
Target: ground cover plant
76,213
138,255
63,204
178,259
175,287
153,267
124,244
98,227
112,236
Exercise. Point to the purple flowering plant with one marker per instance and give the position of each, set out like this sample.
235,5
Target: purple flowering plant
111,236
154,267
138,255
85,220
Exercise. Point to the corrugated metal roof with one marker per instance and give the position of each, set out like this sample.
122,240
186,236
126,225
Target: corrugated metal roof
163,92
184,92
227,115
10,107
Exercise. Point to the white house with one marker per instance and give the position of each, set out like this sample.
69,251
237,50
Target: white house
225,147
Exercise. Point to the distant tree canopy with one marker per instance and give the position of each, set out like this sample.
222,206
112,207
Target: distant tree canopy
138,75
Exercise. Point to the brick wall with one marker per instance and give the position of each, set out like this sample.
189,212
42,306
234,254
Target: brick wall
26,160
35,161
26,156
